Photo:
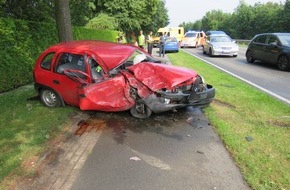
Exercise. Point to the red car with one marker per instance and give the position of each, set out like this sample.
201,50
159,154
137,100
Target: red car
105,76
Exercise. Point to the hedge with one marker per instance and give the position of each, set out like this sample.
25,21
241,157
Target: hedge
21,43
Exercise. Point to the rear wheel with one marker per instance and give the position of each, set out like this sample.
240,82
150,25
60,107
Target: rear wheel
283,63
249,56
50,98
140,110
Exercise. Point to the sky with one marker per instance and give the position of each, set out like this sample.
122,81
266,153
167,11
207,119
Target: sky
180,11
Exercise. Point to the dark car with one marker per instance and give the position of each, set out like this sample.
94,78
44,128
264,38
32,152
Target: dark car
270,48
104,76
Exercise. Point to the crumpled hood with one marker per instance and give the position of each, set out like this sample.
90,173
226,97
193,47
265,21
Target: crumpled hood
158,76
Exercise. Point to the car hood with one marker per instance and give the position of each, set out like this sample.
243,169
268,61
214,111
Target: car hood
224,44
159,76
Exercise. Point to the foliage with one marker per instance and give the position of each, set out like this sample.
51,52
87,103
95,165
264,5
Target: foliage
22,42
158,20
91,34
284,17
103,22
134,15
81,11
44,10
246,21
36,10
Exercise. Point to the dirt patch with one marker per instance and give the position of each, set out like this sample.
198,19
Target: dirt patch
279,123
221,103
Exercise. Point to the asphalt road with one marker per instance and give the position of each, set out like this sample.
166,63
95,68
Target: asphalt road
261,75
170,151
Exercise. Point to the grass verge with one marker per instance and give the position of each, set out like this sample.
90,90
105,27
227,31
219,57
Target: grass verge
253,125
26,126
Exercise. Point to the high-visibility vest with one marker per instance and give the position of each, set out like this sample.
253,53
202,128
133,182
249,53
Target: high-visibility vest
141,39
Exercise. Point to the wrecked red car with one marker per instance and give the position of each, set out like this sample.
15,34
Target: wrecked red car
105,76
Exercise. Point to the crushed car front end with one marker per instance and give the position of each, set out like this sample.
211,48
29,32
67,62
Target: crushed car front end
197,93
164,87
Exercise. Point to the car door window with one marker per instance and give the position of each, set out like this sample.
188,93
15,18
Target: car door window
69,61
46,62
272,40
261,39
96,70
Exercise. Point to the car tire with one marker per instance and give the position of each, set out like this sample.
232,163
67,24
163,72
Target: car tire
249,56
203,51
50,98
235,55
210,52
283,63
141,111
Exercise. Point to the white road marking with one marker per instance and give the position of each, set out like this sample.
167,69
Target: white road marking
245,80
151,160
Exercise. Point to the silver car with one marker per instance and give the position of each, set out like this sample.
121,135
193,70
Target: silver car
220,45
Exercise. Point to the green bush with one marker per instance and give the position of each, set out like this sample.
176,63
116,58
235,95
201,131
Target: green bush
21,43
91,34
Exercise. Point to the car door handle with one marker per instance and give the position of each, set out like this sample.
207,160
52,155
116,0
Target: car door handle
55,82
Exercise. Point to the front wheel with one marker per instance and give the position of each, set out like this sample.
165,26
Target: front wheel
140,110
210,52
50,98
283,63
203,50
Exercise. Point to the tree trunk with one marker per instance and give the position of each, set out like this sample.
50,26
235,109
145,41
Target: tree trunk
63,20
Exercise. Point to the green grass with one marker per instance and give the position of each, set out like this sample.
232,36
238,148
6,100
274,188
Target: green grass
26,126
240,111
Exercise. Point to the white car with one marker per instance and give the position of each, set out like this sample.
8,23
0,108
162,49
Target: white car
192,39
220,45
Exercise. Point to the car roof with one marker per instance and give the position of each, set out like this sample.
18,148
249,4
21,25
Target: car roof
112,54
213,32
275,33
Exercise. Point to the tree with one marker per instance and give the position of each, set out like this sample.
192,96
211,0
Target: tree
82,11
35,10
103,22
213,20
63,20
134,15
284,17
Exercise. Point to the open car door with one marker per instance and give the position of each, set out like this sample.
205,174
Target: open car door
111,94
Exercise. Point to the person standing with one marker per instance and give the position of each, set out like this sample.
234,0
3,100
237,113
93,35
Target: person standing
161,45
141,39
149,43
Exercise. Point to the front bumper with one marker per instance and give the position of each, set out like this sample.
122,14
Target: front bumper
170,101
225,52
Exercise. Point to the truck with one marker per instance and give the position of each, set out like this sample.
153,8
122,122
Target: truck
177,32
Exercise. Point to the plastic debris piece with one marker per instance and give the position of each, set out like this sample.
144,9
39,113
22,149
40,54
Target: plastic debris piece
249,138
135,158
